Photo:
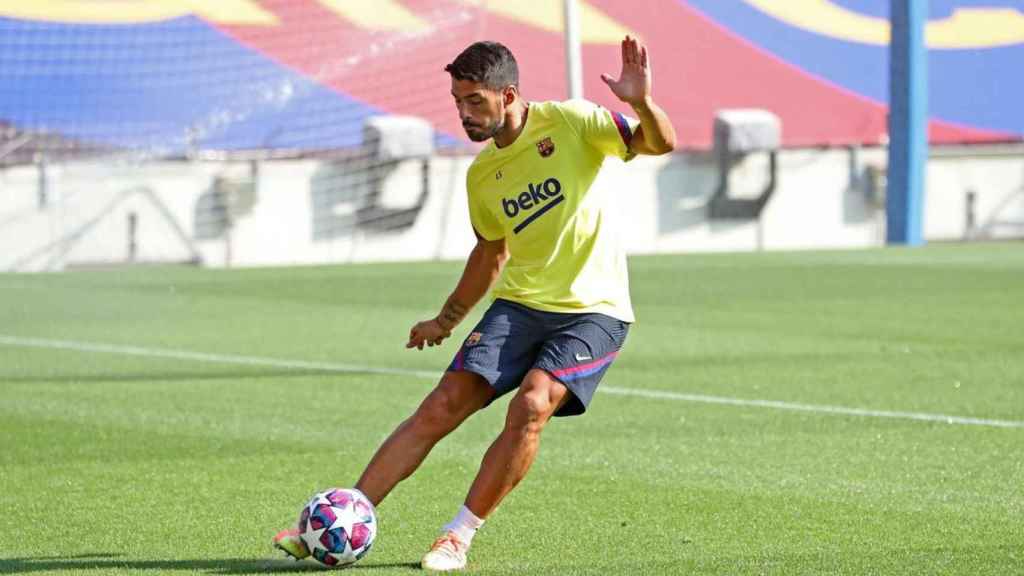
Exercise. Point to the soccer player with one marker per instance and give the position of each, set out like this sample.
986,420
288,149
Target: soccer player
561,307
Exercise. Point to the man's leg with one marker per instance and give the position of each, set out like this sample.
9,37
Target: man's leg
504,465
456,397
510,456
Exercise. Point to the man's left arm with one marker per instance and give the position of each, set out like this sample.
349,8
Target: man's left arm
655,134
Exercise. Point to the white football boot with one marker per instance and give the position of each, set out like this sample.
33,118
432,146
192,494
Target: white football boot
447,553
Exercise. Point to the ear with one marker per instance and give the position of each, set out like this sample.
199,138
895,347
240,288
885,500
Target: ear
509,95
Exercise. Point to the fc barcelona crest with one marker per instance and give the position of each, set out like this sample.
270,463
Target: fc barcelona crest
546,147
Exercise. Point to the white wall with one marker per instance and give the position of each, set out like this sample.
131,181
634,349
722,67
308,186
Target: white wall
819,202
997,178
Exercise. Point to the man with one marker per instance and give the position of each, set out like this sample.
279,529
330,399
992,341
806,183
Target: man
561,310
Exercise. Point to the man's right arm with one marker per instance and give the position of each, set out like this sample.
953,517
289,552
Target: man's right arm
483,267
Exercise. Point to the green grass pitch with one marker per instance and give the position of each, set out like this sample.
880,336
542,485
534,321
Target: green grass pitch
139,436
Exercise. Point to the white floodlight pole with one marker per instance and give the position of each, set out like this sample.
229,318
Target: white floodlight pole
573,58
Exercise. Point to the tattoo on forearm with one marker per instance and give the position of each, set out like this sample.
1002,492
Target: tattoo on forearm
451,314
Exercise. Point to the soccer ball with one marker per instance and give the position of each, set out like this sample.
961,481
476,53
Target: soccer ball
338,526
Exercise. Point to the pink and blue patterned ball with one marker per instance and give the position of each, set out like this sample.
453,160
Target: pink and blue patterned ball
338,526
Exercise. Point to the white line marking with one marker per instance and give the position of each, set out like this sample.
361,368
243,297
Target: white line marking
353,368
210,358
816,408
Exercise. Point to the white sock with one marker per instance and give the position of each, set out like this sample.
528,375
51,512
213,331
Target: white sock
464,525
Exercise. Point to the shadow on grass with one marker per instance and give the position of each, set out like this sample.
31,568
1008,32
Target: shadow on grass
102,561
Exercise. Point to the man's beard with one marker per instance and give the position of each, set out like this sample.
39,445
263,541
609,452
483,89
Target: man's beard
481,133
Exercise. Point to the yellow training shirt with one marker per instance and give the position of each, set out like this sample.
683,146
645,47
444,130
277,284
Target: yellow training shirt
565,255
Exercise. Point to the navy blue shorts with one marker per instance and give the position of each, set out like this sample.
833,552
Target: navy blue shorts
511,339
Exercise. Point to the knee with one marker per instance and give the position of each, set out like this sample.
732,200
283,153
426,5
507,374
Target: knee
530,410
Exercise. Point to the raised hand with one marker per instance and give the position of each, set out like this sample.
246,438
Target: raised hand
634,83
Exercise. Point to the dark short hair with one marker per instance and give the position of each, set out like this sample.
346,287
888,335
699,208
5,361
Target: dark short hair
489,63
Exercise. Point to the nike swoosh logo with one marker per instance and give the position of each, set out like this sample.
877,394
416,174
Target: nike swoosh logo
580,358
